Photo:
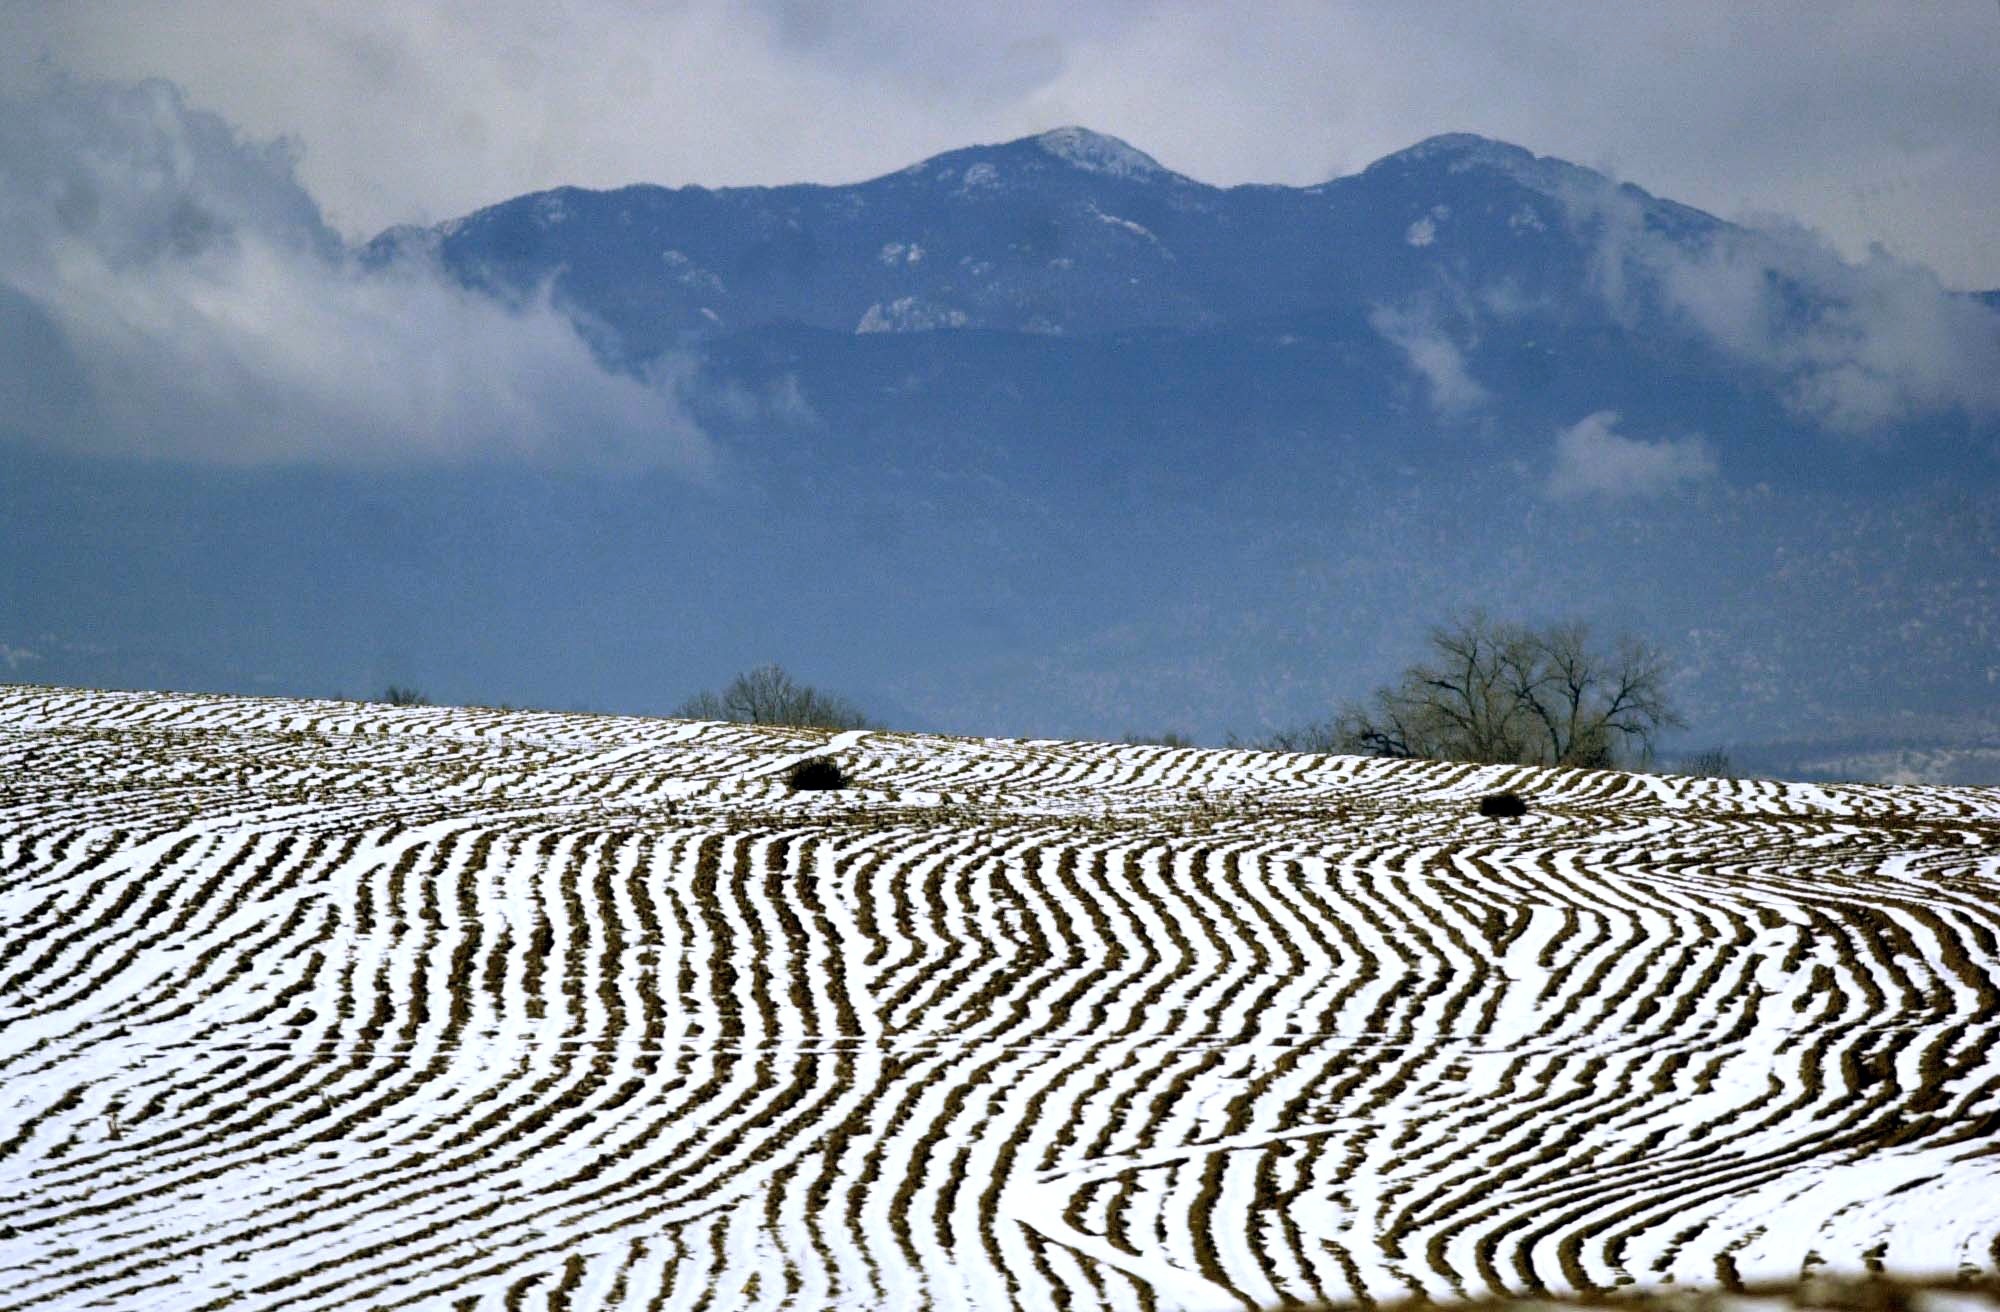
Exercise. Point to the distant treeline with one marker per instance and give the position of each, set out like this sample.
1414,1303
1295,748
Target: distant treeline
1488,690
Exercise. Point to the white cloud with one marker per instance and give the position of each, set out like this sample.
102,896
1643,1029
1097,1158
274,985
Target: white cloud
1433,354
171,291
1863,346
1869,121
1592,459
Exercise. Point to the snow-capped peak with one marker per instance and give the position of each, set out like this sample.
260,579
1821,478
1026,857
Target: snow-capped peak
1464,148
1457,152
1096,153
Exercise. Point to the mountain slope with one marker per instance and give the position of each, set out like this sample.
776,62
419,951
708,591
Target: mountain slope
1037,235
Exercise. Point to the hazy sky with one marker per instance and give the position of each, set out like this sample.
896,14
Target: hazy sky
1871,122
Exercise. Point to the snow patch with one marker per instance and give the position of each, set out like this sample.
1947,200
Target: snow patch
1526,219
907,314
689,274
1093,152
550,210
1424,231
1461,152
1136,229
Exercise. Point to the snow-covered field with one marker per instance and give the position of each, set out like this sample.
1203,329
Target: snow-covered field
326,1005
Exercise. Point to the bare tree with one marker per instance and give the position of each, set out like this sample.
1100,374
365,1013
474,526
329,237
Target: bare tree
703,705
1495,691
768,695
1319,737
1610,706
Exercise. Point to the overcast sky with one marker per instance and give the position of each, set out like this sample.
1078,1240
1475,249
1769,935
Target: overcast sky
1869,121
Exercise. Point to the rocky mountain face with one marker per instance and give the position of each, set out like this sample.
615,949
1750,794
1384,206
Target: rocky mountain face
1065,233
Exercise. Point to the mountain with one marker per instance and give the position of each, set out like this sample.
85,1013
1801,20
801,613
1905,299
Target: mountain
1044,437
1490,283
1067,232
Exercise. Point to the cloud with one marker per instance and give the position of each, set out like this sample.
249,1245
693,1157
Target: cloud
1433,354
169,290
1861,346
1863,119
1594,460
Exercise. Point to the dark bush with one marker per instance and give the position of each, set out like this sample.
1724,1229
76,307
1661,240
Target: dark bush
816,774
1503,805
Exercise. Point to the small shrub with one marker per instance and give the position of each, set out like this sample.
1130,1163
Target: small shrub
1312,739
1711,764
817,774
1168,739
401,696
1504,806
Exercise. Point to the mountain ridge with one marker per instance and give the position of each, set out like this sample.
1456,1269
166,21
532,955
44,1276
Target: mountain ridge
1063,232
1079,146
